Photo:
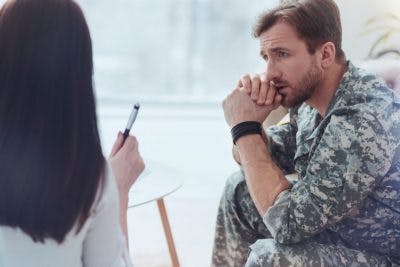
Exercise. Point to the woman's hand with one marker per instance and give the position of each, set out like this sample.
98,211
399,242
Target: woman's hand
126,163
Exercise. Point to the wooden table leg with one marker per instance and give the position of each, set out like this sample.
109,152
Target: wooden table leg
168,233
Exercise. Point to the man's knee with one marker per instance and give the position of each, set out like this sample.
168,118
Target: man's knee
237,203
231,186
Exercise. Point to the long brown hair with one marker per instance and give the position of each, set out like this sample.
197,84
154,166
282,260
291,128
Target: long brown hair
51,162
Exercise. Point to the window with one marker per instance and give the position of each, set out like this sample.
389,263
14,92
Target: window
172,50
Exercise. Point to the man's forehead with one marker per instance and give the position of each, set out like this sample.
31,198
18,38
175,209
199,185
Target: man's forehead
281,34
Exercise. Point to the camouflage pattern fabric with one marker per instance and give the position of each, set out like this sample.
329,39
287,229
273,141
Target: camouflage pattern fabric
240,228
345,208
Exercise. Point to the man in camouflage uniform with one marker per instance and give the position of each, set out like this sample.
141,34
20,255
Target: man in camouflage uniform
343,141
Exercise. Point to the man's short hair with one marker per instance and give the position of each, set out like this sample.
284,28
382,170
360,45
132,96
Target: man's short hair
316,22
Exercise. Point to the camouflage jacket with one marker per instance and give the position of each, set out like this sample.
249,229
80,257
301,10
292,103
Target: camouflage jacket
349,168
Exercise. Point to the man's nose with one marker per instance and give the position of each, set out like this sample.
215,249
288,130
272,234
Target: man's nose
273,73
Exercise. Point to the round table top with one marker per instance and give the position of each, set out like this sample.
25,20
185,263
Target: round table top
156,181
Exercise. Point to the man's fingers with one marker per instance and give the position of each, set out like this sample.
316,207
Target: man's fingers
246,83
263,92
255,87
239,84
271,94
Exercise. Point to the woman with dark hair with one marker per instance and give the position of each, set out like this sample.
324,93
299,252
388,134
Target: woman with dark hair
60,205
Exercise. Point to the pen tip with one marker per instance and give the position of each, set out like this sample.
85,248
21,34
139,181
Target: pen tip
137,105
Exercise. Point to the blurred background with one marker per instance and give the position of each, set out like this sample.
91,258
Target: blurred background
179,58
175,50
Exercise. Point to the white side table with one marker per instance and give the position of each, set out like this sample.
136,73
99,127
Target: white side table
157,182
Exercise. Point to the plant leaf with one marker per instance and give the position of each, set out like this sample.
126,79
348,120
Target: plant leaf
380,40
391,29
384,17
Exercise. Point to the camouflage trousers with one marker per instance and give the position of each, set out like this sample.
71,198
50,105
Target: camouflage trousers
242,239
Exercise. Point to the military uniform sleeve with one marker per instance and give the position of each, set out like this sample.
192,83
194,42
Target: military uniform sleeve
281,142
355,151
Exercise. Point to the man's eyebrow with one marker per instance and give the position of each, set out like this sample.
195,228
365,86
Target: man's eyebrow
277,49
274,50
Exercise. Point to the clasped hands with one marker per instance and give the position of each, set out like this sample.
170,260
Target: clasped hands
253,99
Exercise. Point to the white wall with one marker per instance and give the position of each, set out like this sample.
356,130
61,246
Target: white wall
354,14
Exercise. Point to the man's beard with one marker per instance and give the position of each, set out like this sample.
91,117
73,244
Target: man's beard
304,89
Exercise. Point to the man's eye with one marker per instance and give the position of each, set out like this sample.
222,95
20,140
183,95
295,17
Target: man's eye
265,57
282,54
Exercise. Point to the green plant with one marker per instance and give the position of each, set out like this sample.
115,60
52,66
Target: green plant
388,27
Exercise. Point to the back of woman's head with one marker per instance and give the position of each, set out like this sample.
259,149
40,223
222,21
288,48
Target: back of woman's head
51,161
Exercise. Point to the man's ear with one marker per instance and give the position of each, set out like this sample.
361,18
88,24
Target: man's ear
328,54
